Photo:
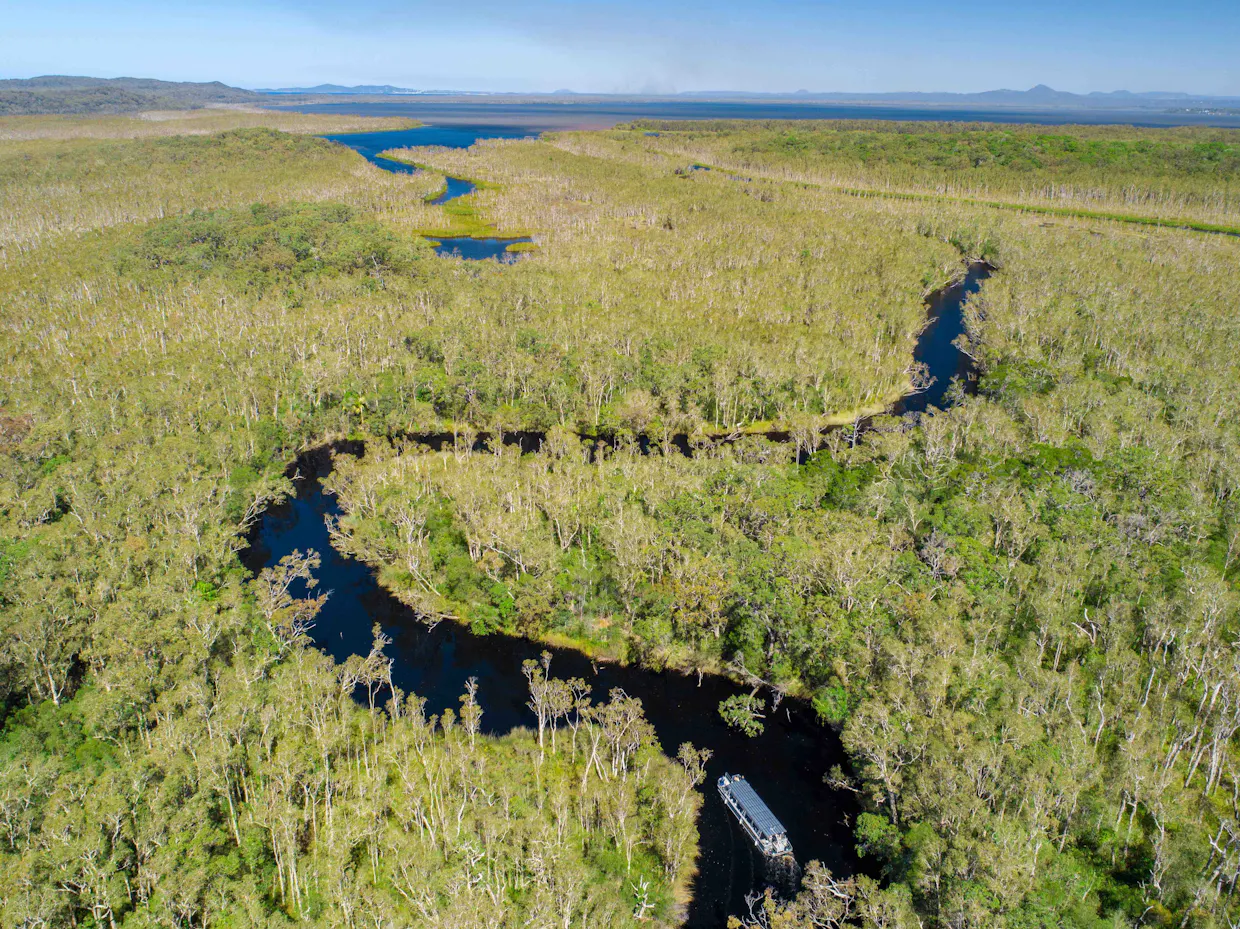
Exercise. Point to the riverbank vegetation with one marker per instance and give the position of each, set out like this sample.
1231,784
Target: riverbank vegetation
730,305
1020,613
50,188
233,772
261,791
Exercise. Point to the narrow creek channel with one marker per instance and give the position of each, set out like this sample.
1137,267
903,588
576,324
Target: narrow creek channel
786,763
936,346
370,145
454,187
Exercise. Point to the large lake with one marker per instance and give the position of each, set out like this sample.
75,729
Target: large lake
546,115
370,144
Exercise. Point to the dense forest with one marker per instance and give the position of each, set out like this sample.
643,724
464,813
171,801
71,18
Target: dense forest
175,751
1020,613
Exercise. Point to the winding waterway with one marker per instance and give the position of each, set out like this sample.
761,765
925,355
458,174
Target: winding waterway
455,187
786,763
370,145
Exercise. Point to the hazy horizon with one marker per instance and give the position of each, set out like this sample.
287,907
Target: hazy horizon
801,91
639,47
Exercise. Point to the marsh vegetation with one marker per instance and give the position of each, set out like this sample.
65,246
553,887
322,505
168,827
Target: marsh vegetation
1020,611
1185,175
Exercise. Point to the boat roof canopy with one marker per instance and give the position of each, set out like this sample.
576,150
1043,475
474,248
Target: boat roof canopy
757,811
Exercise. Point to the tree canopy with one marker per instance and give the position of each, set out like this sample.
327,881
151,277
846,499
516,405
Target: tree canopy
1020,613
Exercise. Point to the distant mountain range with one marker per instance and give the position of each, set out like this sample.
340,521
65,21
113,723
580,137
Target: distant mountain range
1040,96
62,94
81,95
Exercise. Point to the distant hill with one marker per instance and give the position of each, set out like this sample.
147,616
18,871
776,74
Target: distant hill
92,95
360,89
1039,97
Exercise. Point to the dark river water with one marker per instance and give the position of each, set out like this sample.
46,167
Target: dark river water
785,764
455,187
936,345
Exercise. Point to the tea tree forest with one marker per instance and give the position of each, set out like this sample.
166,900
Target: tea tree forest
1018,613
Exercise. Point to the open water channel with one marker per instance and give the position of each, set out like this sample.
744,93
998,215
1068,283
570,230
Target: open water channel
371,144
785,764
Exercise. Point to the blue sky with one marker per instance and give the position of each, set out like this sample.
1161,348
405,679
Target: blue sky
637,46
